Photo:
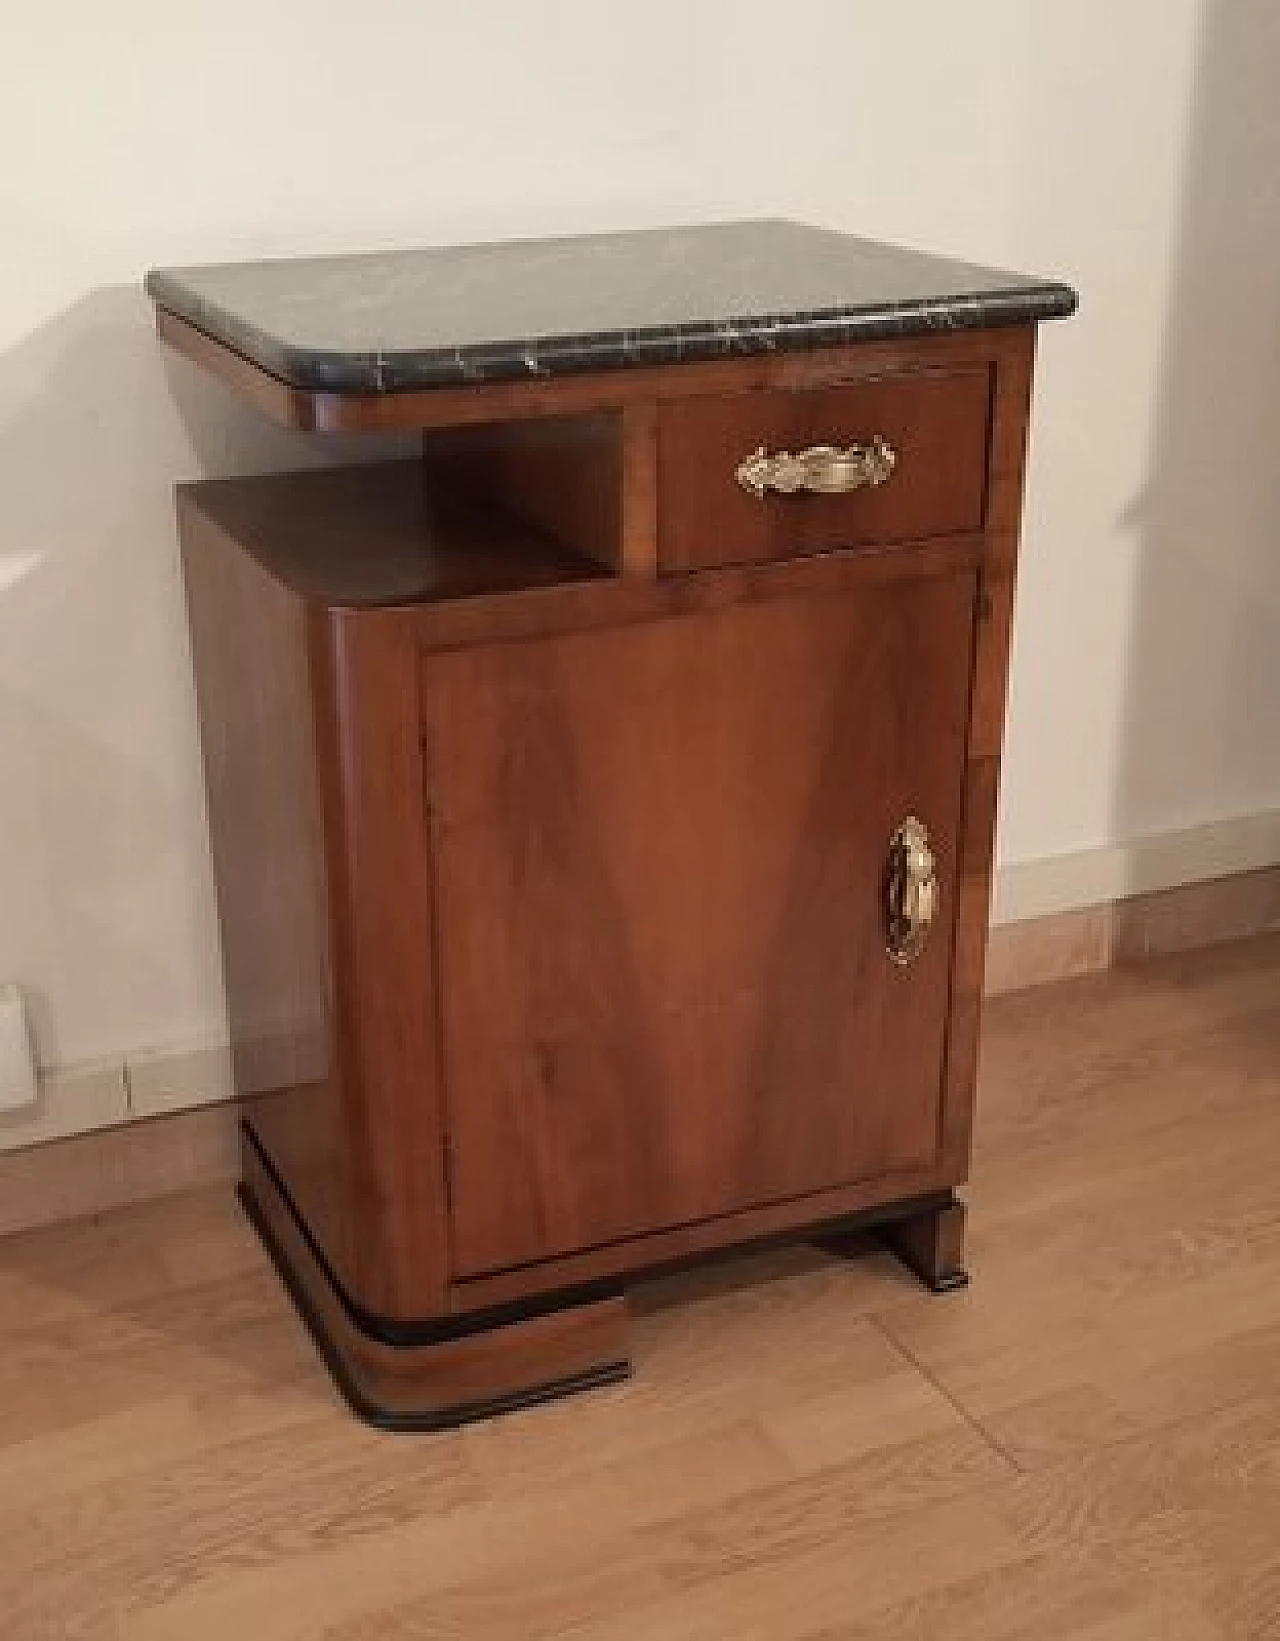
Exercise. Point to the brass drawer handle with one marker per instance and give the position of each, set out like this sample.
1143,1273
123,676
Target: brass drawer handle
910,891
822,469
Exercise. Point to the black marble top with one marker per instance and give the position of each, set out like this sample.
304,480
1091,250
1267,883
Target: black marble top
395,320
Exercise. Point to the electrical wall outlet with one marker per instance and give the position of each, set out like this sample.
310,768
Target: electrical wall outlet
17,1063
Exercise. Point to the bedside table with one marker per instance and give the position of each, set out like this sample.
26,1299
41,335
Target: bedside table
602,803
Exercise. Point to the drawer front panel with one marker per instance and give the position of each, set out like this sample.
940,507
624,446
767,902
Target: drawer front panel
934,422
660,861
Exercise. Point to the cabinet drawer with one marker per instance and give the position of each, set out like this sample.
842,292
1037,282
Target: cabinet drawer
934,422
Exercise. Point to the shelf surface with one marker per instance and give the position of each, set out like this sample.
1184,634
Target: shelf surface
383,534
460,315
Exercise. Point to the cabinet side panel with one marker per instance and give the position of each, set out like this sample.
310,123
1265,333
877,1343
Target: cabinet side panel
1014,358
249,646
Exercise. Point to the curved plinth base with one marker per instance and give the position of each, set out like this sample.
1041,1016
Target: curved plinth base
450,1381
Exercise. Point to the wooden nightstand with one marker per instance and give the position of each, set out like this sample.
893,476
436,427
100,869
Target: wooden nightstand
602,805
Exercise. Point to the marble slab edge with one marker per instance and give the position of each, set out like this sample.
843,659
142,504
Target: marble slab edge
322,371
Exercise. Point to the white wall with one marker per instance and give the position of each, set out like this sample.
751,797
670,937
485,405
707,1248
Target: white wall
1129,148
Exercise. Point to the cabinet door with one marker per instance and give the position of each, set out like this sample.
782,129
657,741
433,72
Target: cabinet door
660,857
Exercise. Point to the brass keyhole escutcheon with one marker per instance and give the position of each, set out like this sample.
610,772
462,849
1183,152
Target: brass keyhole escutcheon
910,891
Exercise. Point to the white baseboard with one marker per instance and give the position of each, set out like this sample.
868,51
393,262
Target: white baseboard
82,1098
1068,883
74,1099
114,1167
179,1079
79,1099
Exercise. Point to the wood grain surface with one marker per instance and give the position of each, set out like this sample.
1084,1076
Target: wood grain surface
445,1383
250,651
589,870
660,855
381,533
935,421
1084,1446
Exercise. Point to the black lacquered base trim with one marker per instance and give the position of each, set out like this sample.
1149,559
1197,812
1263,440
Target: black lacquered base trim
425,1375
388,1330
830,1235
390,1419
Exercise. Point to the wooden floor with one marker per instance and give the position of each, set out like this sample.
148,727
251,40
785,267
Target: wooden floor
1086,1444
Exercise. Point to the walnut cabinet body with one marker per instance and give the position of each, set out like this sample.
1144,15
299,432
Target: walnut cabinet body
553,780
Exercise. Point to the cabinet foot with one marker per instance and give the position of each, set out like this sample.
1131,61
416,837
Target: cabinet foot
462,1372
928,1238
931,1243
